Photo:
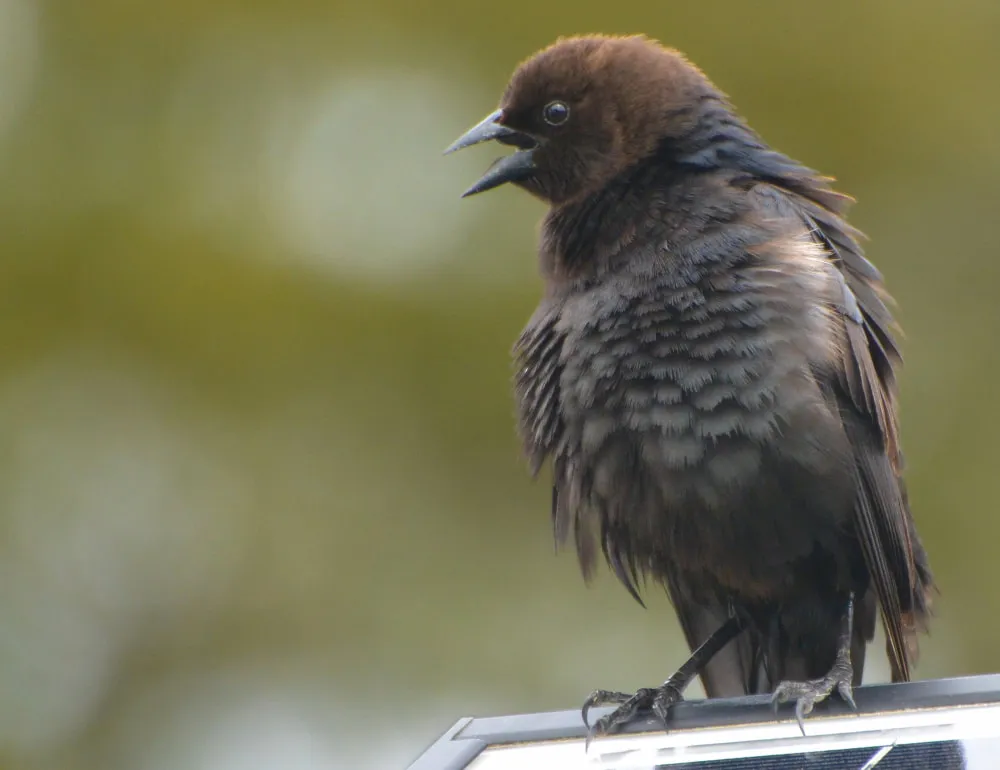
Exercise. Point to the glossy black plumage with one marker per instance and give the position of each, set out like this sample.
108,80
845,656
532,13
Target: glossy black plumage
711,371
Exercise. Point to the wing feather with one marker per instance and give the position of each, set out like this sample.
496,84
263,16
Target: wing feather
863,384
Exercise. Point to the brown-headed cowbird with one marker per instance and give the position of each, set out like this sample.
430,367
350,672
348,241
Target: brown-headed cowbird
711,373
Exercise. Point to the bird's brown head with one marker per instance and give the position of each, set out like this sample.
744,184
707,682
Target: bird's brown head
585,109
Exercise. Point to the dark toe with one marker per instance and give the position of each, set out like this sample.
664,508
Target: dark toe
602,698
611,723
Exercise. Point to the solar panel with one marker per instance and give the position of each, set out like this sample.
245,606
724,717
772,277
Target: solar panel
932,725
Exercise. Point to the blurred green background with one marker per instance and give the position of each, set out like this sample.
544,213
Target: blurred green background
261,499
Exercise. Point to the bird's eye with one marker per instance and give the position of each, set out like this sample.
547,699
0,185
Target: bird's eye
556,113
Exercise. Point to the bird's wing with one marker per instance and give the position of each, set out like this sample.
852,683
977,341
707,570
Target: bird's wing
863,386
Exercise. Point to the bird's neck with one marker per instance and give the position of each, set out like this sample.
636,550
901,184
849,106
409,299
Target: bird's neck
655,205
692,183
581,236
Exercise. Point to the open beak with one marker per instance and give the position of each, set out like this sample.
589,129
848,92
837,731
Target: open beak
512,168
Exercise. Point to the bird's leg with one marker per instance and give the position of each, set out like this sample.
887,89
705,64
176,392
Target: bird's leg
840,676
657,699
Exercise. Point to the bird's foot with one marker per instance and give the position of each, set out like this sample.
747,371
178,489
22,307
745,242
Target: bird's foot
808,694
657,700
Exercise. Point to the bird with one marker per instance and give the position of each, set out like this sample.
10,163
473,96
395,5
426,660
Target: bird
710,376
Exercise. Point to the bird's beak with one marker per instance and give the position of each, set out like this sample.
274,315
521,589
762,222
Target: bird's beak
511,168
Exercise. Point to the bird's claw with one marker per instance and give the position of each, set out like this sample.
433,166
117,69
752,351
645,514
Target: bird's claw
807,694
657,700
